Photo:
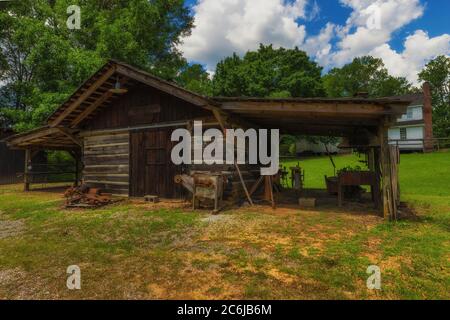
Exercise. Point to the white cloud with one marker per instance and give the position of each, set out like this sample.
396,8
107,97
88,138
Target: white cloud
374,22
320,46
368,31
369,38
314,11
227,26
419,49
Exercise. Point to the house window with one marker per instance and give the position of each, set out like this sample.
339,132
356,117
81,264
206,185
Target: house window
403,135
410,114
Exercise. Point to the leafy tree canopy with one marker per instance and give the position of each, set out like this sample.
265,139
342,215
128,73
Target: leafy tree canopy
268,72
42,61
437,73
365,74
195,78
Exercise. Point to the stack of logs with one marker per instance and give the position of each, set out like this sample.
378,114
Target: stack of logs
85,197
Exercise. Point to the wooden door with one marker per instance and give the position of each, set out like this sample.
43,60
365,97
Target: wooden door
152,170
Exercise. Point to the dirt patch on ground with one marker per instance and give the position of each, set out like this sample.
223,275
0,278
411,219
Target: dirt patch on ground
281,276
395,263
14,283
407,212
9,276
10,228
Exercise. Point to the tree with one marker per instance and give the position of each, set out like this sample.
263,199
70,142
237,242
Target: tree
268,72
365,74
195,78
42,61
437,73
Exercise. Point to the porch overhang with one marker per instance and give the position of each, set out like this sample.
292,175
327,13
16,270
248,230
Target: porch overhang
321,117
45,138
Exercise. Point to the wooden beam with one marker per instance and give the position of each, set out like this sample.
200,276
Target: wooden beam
91,89
70,135
280,123
163,86
32,136
231,120
302,107
317,130
128,129
221,119
94,106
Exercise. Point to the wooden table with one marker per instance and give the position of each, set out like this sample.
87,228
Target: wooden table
359,178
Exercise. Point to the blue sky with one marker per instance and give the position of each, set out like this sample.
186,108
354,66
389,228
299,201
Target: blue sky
435,21
406,34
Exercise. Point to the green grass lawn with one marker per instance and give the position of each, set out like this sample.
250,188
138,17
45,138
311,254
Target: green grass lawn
134,250
421,175
316,168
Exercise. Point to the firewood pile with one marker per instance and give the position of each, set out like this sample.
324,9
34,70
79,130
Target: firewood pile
85,197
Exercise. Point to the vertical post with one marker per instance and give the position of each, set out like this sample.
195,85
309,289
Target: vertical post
77,156
193,195
267,186
372,165
378,175
76,171
388,202
272,199
216,193
26,177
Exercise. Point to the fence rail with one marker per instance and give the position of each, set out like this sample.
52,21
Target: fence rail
48,175
434,143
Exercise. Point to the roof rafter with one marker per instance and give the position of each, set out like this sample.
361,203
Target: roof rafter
83,97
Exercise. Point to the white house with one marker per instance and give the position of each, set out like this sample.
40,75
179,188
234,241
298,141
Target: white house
414,130
305,147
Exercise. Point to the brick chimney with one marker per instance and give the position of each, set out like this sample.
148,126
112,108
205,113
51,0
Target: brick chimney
428,117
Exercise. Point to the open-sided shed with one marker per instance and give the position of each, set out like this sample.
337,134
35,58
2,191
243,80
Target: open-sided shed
119,124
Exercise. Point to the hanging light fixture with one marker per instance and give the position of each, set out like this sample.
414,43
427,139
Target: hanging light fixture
118,88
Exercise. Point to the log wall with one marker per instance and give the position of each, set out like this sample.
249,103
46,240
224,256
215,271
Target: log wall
106,161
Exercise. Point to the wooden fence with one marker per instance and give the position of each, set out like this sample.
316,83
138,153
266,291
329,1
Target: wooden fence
434,143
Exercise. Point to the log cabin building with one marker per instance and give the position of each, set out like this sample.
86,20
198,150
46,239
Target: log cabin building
119,124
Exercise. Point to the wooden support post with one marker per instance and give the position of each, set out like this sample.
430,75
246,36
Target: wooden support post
388,201
77,157
26,177
268,190
272,199
76,172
